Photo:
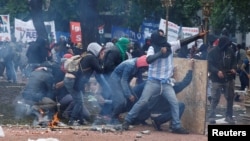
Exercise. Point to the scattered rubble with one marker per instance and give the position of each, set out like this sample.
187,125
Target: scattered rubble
44,139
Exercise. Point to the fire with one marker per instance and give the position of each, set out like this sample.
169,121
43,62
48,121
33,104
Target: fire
54,121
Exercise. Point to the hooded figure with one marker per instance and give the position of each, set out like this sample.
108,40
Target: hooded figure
224,43
94,48
158,41
122,44
222,58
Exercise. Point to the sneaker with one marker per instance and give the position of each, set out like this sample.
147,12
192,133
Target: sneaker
230,120
180,130
125,125
156,125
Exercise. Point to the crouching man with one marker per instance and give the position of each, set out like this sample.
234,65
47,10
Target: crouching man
37,93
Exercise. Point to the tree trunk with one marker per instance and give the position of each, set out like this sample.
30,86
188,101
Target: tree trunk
42,42
89,22
37,17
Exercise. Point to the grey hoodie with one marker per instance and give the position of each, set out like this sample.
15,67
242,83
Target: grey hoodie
95,48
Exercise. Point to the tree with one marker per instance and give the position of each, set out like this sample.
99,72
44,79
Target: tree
232,12
184,11
89,18
241,10
15,8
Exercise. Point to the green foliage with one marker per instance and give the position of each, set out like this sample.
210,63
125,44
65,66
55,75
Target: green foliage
133,12
15,8
143,10
231,12
62,11
184,11
242,11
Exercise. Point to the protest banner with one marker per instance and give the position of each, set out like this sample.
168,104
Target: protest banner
25,30
5,28
174,31
75,32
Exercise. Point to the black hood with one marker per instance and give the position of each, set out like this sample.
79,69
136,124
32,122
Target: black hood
158,42
224,43
157,39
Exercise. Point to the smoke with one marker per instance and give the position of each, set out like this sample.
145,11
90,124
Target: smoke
22,109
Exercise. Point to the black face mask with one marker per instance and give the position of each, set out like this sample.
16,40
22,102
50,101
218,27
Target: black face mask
224,43
158,42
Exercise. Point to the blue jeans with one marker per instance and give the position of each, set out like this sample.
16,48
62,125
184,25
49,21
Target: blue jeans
79,110
10,70
119,101
155,87
106,108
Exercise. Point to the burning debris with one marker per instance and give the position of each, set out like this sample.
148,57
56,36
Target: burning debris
55,122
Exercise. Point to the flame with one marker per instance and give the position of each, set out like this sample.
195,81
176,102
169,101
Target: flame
54,121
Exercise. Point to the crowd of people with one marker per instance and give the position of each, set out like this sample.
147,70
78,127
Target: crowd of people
50,88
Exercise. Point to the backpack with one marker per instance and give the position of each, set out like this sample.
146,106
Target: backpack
72,64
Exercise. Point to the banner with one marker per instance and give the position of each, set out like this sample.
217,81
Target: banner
117,32
75,32
147,28
5,28
60,34
25,31
175,31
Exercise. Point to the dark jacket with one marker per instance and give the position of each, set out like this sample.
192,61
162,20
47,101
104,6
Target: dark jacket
111,59
222,58
36,53
202,52
39,85
88,65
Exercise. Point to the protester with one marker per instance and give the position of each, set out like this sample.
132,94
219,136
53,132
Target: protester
115,55
146,45
137,50
8,60
159,107
159,78
244,75
37,53
222,68
75,82
61,95
123,97
38,91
